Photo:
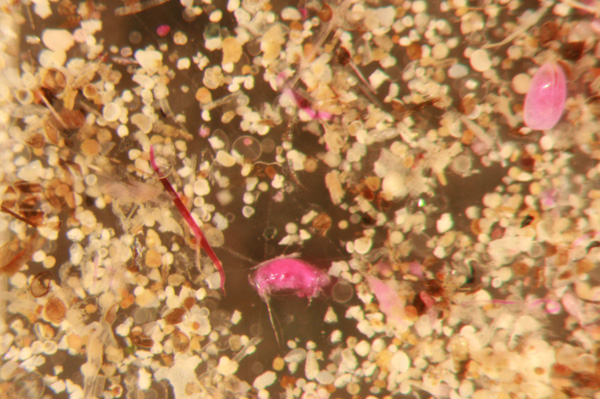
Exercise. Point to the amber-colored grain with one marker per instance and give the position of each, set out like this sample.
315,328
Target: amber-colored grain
181,342
175,316
40,285
55,310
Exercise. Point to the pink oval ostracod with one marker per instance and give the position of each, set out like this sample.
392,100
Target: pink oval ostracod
291,275
545,99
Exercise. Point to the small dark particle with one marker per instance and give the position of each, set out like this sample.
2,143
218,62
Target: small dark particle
270,233
382,204
434,288
343,56
527,221
140,339
548,32
528,163
36,141
40,285
467,105
89,201
325,13
419,305
400,111
175,316
573,51
367,220
322,223
414,51
367,194
593,244
28,203
48,95
27,187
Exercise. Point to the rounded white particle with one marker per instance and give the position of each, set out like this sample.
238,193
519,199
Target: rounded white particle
183,63
201,187
440,51
362,245
49,347
444,223
471,84
311,365
225,159
393,185
291,228
58,39
458,71
385,16
377,78
18,280
75,235
492,200
521,82
480,60
179,38
515,52
216,16
295,355
466,389
123,131
39,256
277,181
547,142
49,262
396,237
362,348
325,377
233,5
227,366
247,211
26,353
561,9
419,6
149,59
144,378
290,14
111,112
264,380
400,362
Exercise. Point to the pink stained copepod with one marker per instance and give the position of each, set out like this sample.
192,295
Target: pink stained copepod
546,97
287,275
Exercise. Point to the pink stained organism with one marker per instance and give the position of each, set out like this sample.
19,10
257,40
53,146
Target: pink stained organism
546,97
163,30
187,216
390,302
287,275
301,102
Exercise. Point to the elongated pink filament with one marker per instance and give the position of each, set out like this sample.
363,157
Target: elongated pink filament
189,219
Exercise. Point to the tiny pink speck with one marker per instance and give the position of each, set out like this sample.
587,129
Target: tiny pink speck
163,30
204,132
